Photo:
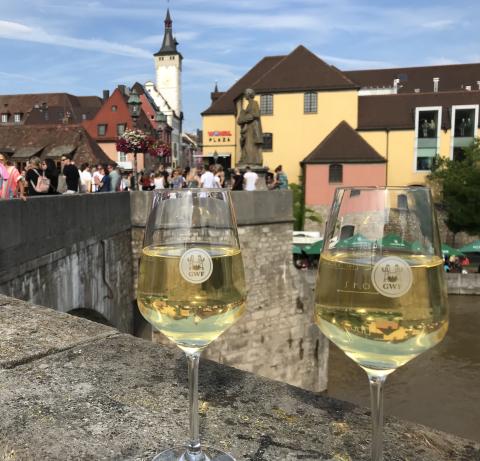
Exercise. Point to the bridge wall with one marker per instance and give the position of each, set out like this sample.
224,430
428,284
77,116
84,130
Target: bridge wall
70,252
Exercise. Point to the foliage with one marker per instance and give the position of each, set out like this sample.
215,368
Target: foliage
300,211
458,182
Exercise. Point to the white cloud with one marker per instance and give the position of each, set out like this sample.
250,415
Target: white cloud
350,63
17,31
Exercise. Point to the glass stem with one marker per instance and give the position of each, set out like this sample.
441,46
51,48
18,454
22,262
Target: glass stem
194,449
376,395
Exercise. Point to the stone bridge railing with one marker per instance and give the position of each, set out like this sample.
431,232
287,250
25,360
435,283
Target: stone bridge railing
75,390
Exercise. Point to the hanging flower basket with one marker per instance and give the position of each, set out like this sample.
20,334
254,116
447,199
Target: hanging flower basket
134,141
159,149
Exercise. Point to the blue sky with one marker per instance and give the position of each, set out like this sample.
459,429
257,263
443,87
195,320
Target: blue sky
83,46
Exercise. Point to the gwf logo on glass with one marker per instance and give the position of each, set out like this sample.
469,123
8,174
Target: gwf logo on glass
196,265
392,277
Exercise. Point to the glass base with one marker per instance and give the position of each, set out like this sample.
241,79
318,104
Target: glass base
179,454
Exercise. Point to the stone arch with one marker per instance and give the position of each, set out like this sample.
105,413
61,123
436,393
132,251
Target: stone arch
90,314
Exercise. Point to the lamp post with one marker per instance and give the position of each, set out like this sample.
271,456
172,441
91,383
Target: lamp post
161,120
134,106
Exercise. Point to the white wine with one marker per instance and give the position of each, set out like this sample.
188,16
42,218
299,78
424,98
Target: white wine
383,319
191,300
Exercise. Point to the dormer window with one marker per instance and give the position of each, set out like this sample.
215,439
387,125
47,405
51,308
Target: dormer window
17,118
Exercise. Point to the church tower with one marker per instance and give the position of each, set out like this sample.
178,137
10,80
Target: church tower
168,67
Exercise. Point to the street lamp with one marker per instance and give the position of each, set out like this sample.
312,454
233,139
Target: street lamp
134,106
161,120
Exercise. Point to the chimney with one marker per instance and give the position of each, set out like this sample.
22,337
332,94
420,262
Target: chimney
435,84
122,89
396,81
106,94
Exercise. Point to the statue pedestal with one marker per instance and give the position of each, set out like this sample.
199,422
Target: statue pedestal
262,175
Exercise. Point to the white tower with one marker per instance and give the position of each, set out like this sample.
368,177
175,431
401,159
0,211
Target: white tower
167,92
168,67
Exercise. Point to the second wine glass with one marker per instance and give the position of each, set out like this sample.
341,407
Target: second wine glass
191,285
380,294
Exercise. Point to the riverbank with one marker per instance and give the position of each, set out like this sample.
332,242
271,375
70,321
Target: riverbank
463,284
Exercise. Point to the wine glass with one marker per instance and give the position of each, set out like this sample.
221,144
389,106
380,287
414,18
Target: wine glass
380,293
191,285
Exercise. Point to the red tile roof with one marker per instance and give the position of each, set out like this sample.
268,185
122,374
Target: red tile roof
343,145
397,111
51,141
452,77
54,102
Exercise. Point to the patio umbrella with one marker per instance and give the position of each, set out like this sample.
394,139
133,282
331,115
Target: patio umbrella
314,248
355,241
473,247
296,250
395,241
449,251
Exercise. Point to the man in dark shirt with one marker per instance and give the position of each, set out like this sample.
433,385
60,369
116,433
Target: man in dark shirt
72,176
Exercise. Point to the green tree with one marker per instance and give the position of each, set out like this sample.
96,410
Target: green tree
300,211
458,183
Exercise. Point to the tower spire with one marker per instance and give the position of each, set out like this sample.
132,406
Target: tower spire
169,44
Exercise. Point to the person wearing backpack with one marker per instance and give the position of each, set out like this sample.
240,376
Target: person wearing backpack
38,183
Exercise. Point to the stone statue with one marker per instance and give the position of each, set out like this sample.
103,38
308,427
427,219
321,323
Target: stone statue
251,136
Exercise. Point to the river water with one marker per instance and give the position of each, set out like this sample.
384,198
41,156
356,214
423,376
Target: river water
440,388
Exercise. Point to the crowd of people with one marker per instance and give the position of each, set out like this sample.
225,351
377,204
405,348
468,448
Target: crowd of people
43,177
456,264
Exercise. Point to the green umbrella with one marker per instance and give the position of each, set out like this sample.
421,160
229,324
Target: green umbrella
296,250
355,241
395,241
473,247
314,248
449,251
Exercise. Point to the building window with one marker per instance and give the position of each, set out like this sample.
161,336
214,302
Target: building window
310,103
465,122
4,118
122,157
267,141
402,202
114,108
84,116
266,104
335,173
121,129
102,130
355,193
427,135
17,118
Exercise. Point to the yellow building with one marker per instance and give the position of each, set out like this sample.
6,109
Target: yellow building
407,115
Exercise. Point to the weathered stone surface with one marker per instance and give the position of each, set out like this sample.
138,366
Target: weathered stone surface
119,397
28,332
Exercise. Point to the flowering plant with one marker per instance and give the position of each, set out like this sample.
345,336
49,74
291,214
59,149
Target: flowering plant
135,141
158,148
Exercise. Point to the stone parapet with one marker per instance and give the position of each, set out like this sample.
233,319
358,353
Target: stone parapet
463,284
76,390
